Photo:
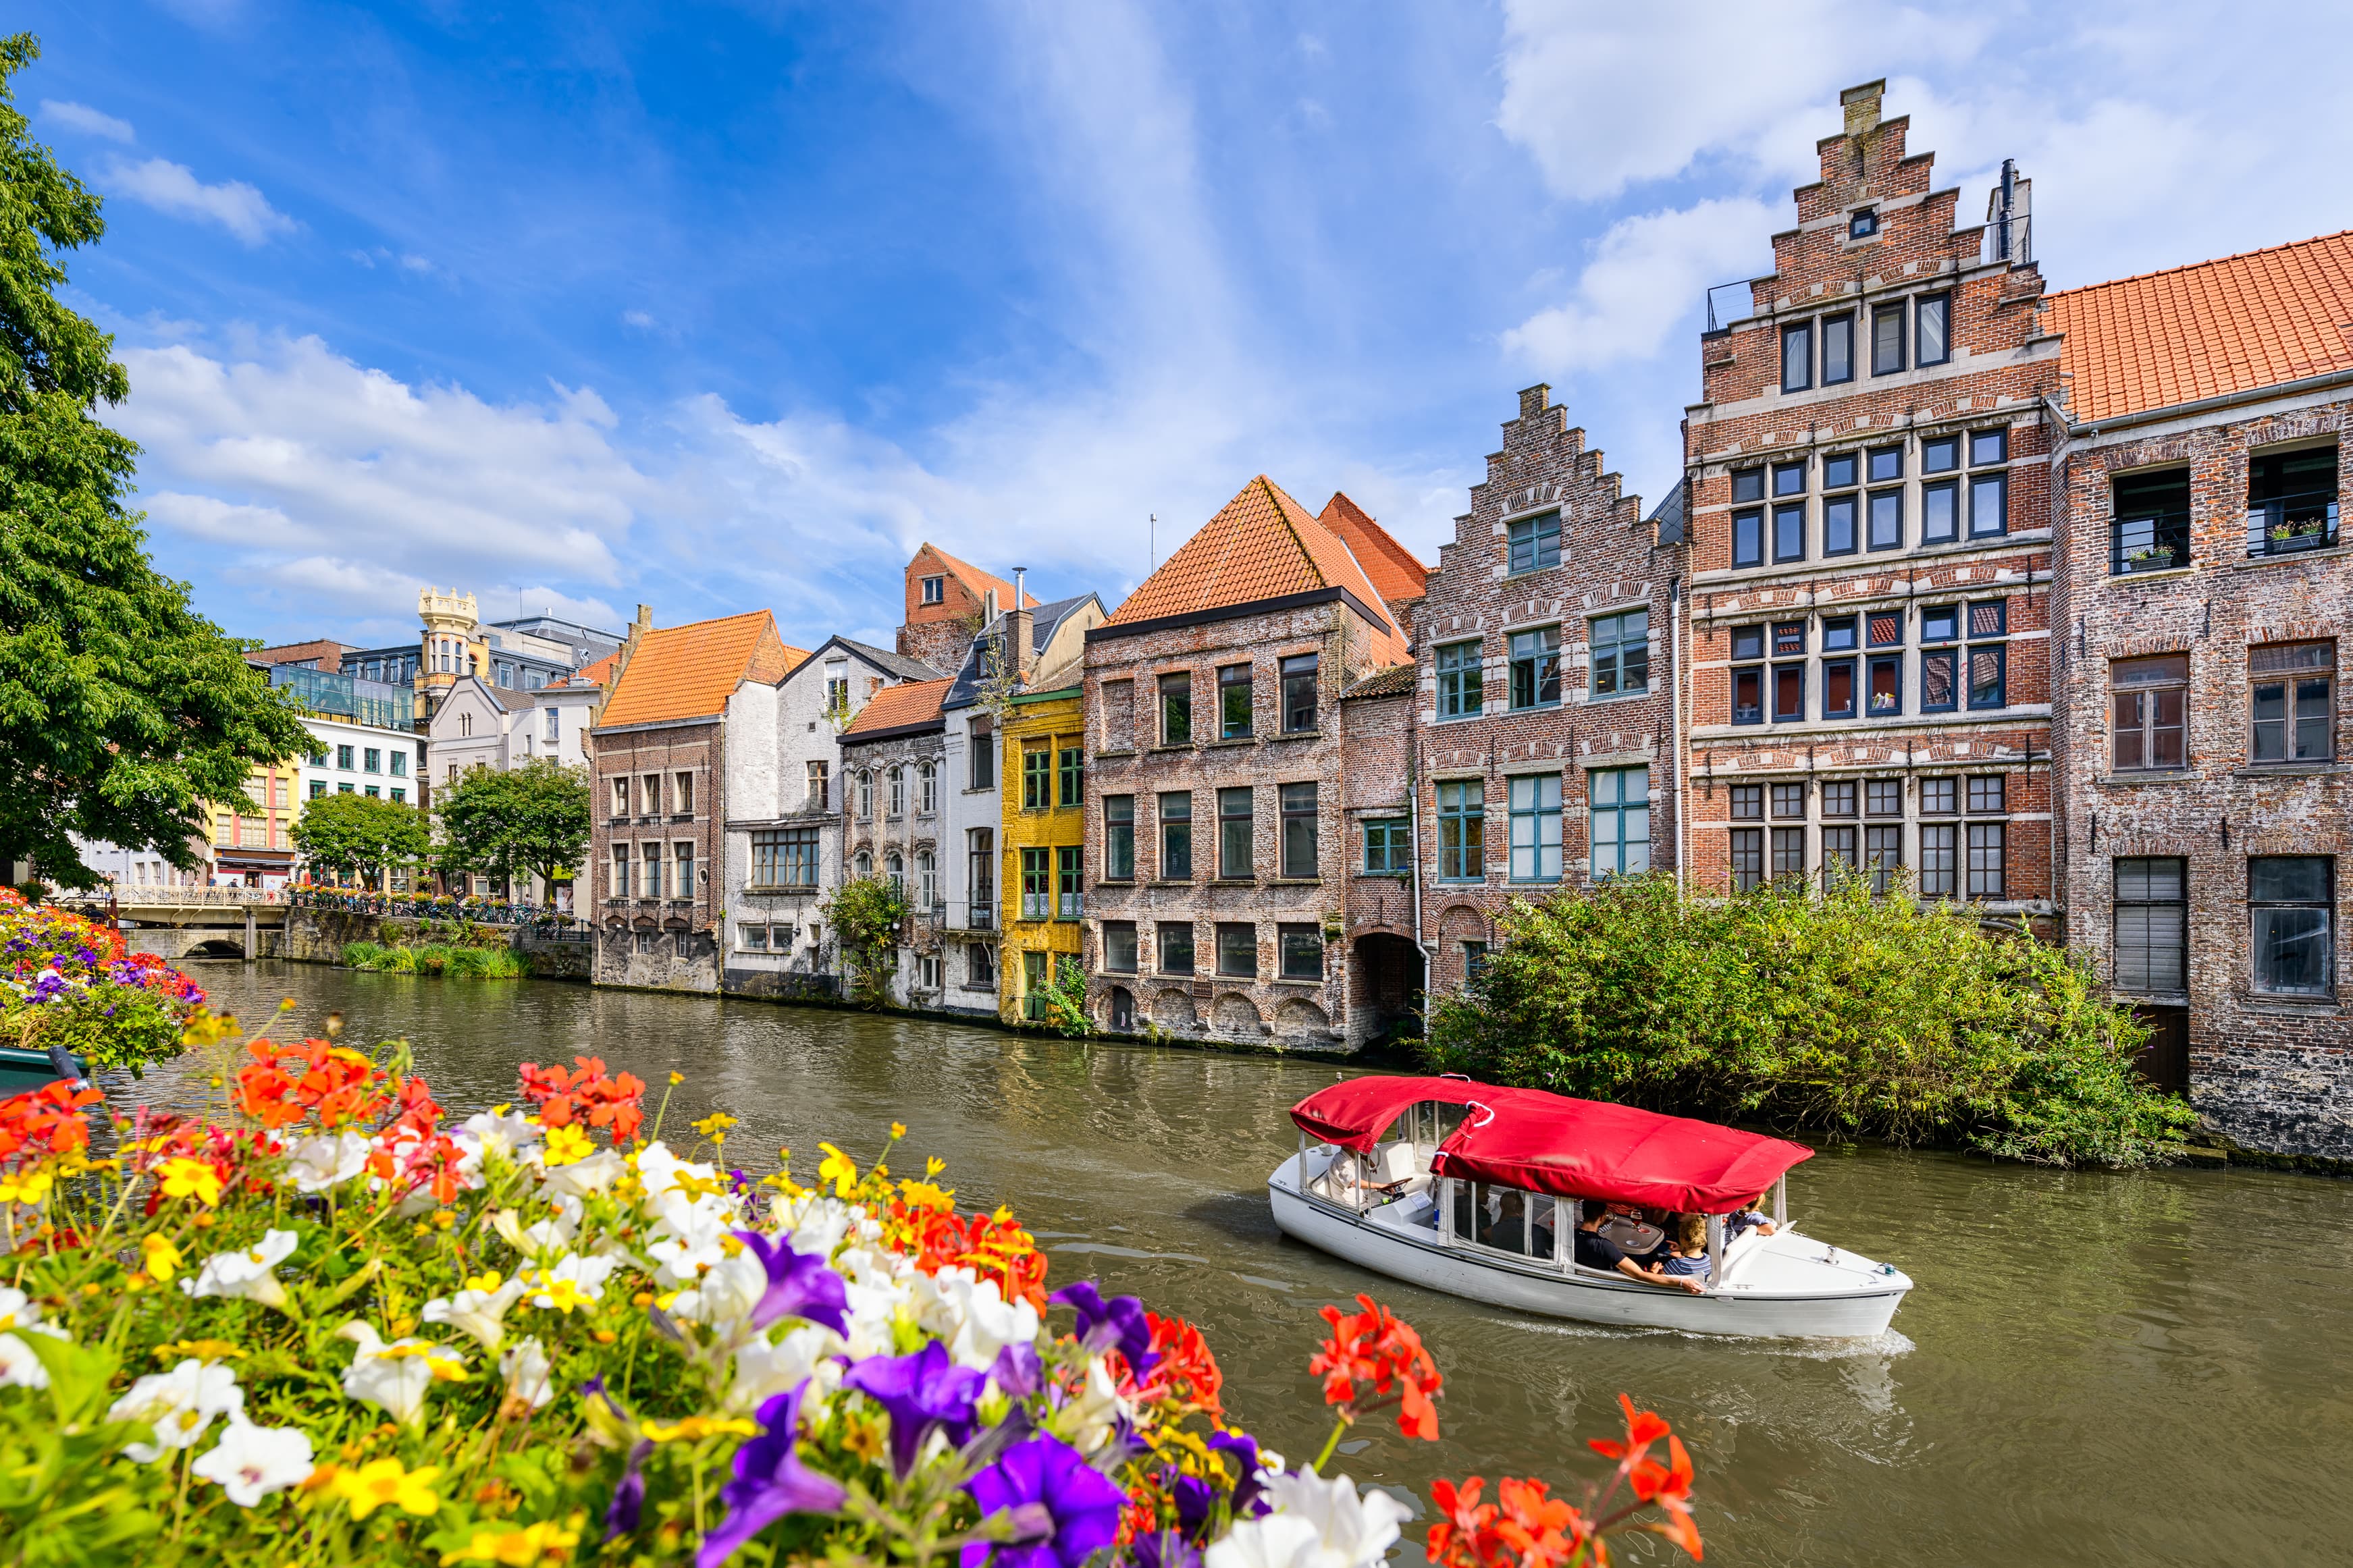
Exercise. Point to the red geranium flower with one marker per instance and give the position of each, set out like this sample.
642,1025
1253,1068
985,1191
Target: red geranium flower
1376,1348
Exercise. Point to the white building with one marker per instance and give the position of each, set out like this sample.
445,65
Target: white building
478,724
783,855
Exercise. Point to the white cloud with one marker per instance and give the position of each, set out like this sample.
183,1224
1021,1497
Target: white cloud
638,319
89,122
174,188
1646,276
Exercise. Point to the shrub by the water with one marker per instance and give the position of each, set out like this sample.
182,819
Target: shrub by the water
437,958
1909,1019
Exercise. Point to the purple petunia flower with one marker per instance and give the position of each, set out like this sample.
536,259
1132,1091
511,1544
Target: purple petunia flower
920,1392
1116,1323
1064,1509
1249,1501
1166,1549
800,1285
770,1482
629,1502
1018,1370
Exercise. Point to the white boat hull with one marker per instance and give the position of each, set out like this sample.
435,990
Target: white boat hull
1787,1286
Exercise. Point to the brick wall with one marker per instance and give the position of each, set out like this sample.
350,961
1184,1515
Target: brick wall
670,942
939,633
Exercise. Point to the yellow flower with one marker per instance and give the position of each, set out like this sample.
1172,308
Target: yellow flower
566,1146
924,1195
563,1295
27,1186
383,1483
717,1122
183,1177
695,1428
840,1169
676,1079
934,1166
486,1283
203,1349
533,1544
161,1257
898,1131
443,1362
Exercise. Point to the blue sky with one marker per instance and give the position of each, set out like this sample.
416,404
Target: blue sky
723,306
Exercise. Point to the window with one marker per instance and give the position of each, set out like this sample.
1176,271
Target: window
1300,950
1067,884
1536,668
1037,888
1234,702
927,971
1988,446
1461,691
1176,709
1299,695
1938,877
650,854
1462,830
1119,946
1536,828
465,726
1747,537
1989,504
1747,802
2291,500
647,941
984,755
1535,543
2290,900
1237,829
1884,797
1620,798
936,590
620,889
1788,693
1797,357
1037,775
344,758
1986,859
837,696
1748,684
1988,618
649,799
373,792
819,783
1789,532
1296,804
1838,350
1789,480
1070,779
1887,519
1388,846
927,880
894,870
1119,837
1940,454
979,967
1882,856
752,939
1837,852
898,777
980,871
2152,926
1175,947
1939,797
1864,224
1789,854
866,796
318,788
1474,960
785,857
863,865
1837,688
372,760
1940,511
1887,340
1747,857
2149,521
343,789
2292,686
1788,800
927,788
1986,795
1932,330
1176,837
1238,949
1621,653
550,729
621,796
1838,798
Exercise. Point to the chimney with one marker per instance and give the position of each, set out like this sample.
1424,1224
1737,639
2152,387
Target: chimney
1024,660
1861,105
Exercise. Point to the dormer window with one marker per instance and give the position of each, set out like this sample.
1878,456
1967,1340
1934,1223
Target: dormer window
936,590
1864,224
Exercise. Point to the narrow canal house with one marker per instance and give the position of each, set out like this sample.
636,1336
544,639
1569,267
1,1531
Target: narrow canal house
893,820
1870,559
1545,690
2205,590
658,762
1215,813
783,845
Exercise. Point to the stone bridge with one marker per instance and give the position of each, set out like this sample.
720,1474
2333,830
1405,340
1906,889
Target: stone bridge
196,922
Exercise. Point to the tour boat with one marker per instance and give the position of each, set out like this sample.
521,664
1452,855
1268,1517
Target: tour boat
1462,1187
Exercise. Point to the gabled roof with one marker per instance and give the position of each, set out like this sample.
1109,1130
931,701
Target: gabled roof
2236,324
897,664
1045,620
978,581
1667,518
1260,545
1395,681
595,674
895,708
690,671
1395,571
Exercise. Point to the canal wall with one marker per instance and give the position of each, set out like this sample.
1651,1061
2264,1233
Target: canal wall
319,936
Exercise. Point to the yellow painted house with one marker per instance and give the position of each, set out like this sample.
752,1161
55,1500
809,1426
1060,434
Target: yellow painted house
1044,840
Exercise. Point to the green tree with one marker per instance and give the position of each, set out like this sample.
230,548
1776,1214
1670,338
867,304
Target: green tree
121,711
534,819
867,914
361,834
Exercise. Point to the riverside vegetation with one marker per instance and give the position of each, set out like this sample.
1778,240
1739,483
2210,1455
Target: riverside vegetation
1829,1008
324,1322
448,959
66,980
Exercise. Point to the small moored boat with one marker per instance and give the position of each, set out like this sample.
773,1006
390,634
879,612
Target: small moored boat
1462,1187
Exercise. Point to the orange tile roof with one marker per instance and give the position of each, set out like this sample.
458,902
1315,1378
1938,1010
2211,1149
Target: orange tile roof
2236,324
690,671
1262,545
980,582
911,703
1395,571
595,674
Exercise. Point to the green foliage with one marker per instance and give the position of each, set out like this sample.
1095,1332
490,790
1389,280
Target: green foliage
63,1499
866,914
121,711
1065,997
437,958
507,824
1908,1019
361,834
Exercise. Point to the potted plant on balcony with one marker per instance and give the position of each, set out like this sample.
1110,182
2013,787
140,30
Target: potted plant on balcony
2298,533
2149,558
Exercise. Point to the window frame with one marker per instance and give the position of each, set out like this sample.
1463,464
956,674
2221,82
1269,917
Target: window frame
1237,829
1615,653
1174,690
1171,828
1168,936
1228,937
1237,680
1745,859
1799,335
1119,837
2290,679
1841,318
1527,552
1070,777
1388,846
1988,880
1461,683
1293,941
2145,895
1751,519
1612,809
1462,830
1900,315
1301,678
1533,817
1037,775
1296,821
1841,524
2326,907
1070,881
1942,304
2147,696
1112,933
1541,659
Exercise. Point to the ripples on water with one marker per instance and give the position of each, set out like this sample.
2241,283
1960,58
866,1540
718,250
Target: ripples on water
2094,1369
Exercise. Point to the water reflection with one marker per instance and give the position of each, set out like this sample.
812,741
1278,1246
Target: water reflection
2094,1369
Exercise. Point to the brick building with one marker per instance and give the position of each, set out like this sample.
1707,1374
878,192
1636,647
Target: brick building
657,782
893,818
1544,703
1869,589
1216,810
949,602
2204,590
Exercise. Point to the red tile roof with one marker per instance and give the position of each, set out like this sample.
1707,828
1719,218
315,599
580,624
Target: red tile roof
1262,545
979,581
2236,324
1395,571
690,671
894,707
595,674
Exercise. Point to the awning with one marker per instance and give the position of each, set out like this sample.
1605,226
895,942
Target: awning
1544,1143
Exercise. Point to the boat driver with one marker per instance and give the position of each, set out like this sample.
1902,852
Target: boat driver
1595,1250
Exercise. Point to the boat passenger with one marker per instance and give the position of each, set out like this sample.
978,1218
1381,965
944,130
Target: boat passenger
1595,1250
1509,1232
1750,1218
1687,1253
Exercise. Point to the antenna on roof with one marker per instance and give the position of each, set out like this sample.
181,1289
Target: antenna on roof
1152,544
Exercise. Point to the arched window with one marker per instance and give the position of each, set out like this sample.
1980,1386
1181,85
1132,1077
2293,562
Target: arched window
895,870
927,879
865,865
865,797
927,789
898,792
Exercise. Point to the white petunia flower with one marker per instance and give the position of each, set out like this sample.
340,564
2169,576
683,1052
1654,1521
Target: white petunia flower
587,1274
971,1316
817,1224
481,1313
1315,1523
20,1314
179,1404
250,1462
489,1134
1087,1422
1278,1540
761,1368
528,1373
584,1178
394,1377
725,1294
541,1238
327,1160
249,1273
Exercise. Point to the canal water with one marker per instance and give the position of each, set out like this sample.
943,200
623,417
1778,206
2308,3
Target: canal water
2094,1369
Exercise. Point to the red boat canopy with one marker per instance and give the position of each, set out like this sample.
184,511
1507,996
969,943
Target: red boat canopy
1571,1148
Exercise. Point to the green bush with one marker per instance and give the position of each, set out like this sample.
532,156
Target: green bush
1911,1020
437,958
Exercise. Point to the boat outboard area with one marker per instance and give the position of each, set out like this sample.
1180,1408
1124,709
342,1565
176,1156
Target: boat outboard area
1571,1208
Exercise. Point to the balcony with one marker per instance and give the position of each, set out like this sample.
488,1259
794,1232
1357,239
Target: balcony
981,916
2157,542
2288,524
